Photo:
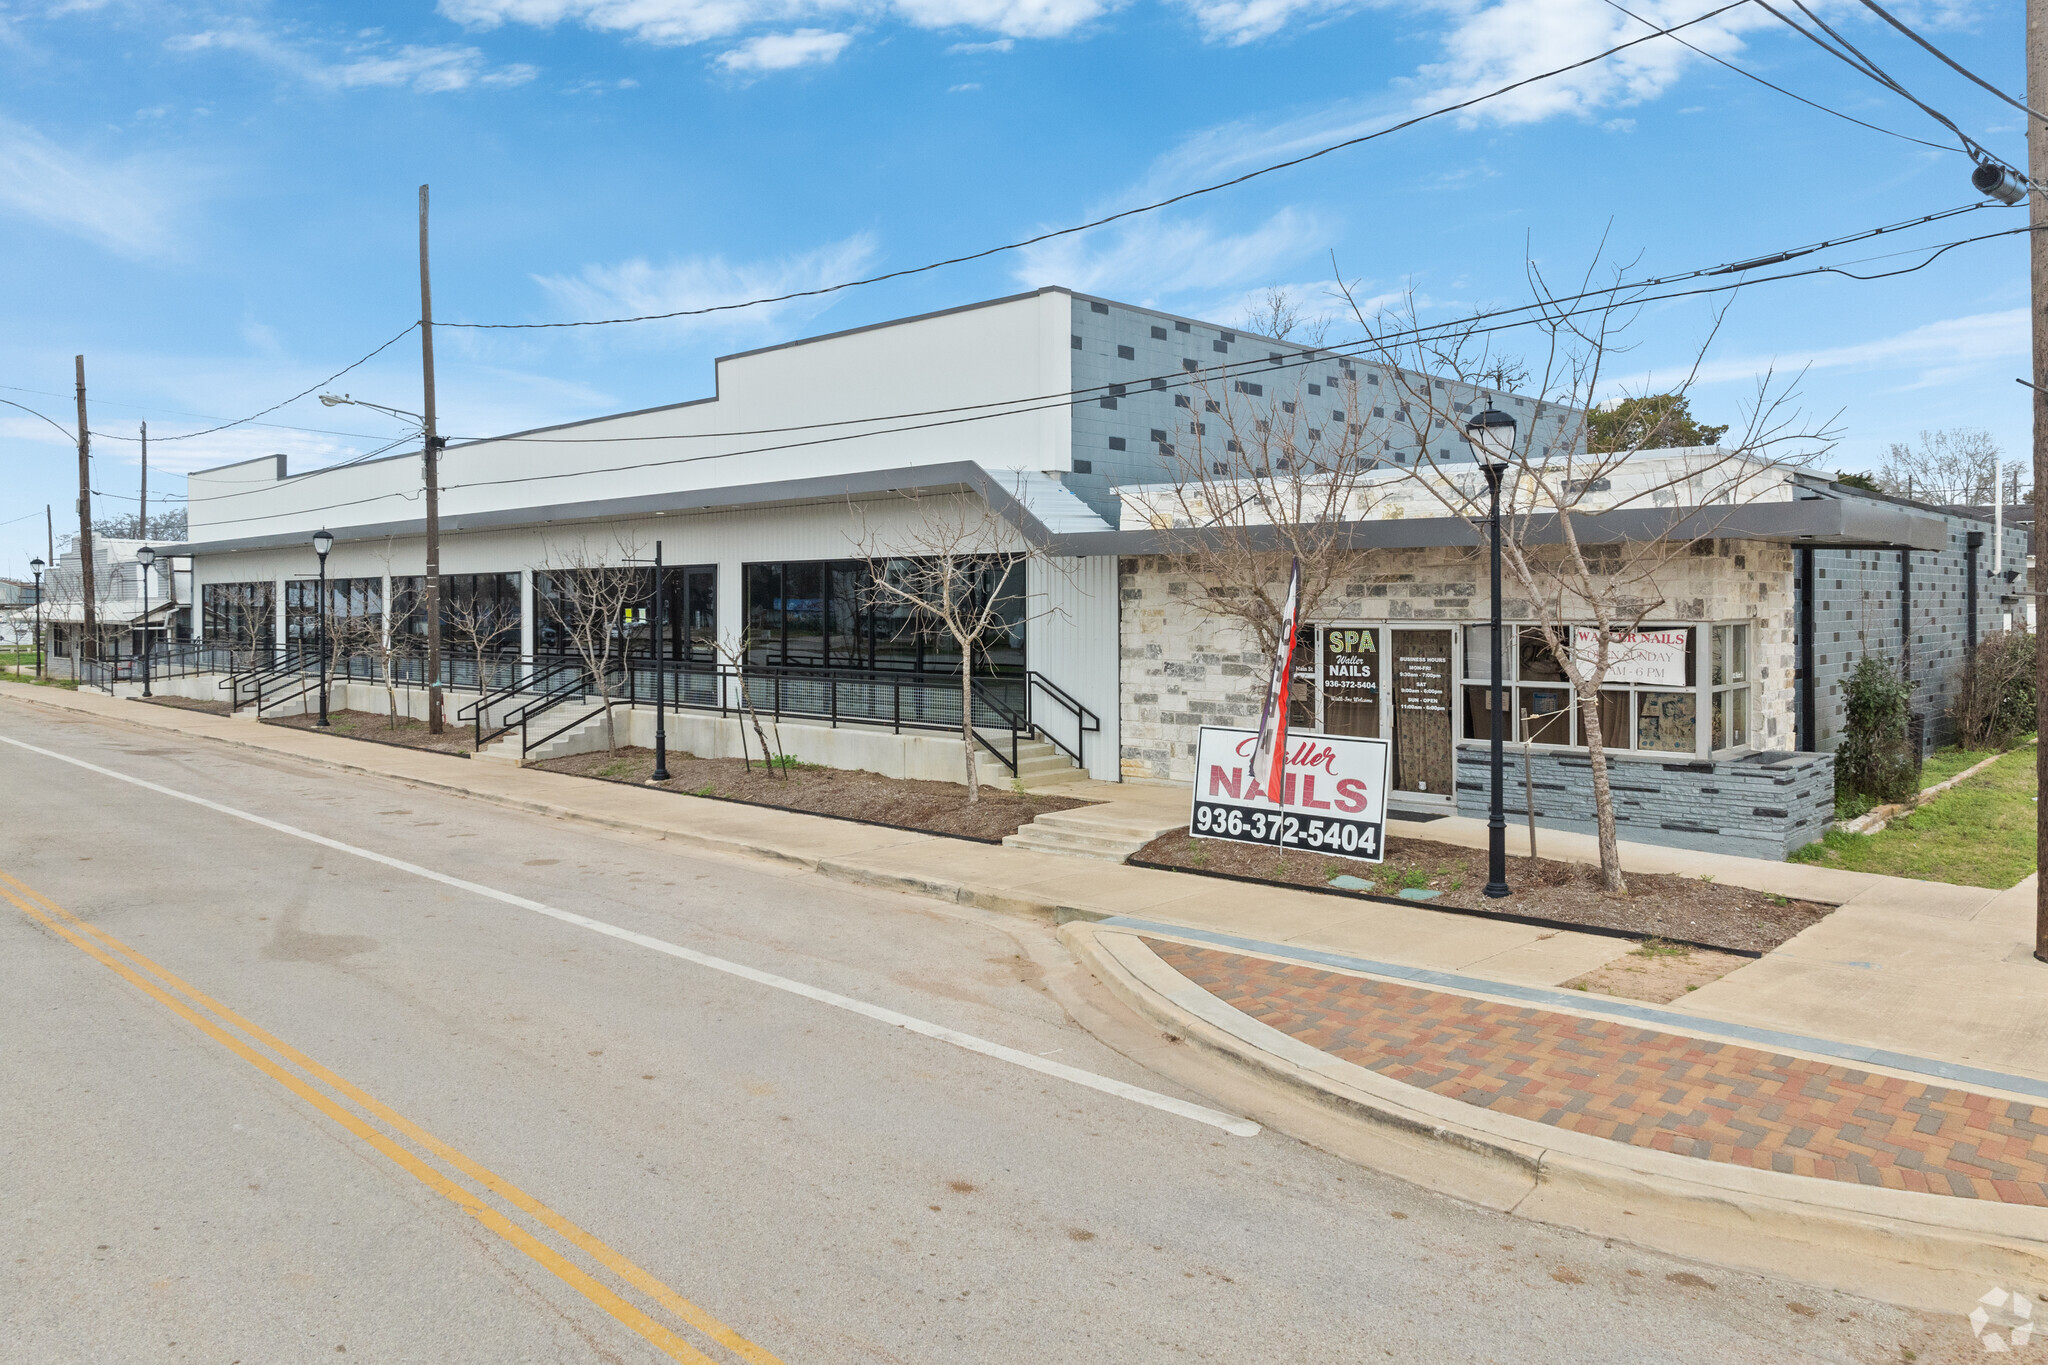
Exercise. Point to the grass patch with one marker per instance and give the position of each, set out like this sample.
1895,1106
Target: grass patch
1849,806
1943,764
1980,833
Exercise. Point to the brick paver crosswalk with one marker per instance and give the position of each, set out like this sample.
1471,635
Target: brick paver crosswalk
1692,1096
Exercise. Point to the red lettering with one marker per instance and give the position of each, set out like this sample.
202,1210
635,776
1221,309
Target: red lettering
1351,797
1256,792
1246,745
1287,790
1222,780
1308,794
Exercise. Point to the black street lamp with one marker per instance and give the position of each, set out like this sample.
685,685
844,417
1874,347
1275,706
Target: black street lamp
323,541
36,567
1493,436
146,557
659,644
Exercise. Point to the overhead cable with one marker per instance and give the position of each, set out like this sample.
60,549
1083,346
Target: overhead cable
1182,197
1811,104
1348,350
1881,12
242,421
1177,378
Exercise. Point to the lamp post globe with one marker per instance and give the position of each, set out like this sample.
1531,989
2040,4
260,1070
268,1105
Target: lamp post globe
36,567
323,541
1492,434
146,557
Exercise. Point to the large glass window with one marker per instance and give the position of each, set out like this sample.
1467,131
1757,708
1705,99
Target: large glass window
829,614
242,614
1663,684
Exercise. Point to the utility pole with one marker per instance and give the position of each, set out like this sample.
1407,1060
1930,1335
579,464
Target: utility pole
86,645
2037,255
431,452
142,506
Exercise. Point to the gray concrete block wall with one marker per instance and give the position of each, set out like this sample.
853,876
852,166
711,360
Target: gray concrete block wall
1761,806
1105,329
1856,612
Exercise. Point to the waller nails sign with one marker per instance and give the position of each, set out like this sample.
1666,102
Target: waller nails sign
1334,798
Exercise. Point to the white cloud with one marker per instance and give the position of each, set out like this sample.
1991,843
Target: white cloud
959,89
975,49
428,69
121,205
1157,257
1931,354
1237,22
1494,45
636,287
785,51
681,22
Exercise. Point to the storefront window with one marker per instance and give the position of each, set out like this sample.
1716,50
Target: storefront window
1351,680
1730,680
1667,722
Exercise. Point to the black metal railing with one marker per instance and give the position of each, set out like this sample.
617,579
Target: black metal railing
1043,700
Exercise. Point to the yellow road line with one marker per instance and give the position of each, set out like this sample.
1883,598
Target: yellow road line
75,930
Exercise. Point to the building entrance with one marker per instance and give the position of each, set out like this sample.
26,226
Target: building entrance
1392,681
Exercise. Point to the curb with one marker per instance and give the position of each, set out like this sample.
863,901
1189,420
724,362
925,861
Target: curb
957,893
1925,1251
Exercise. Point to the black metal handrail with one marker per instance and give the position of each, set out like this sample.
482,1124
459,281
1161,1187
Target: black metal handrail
553,685
1086,722
253,684
308,682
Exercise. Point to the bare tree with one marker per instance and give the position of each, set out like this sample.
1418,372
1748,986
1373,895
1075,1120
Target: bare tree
1261,480
1588,592
1956,465
593,590
960,570
245,614
735,652
481,627
1280,314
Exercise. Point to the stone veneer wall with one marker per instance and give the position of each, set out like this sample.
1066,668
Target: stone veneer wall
1761,806
1184,667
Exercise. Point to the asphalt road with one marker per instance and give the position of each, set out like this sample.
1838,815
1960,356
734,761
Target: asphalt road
298,1104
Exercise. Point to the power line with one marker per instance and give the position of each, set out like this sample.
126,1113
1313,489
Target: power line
1182,378
175,412
1345,351
1864,66
241,421
1811,104
1881,12
69,434
1114,217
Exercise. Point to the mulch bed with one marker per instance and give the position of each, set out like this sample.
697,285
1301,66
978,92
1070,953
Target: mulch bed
847,794
211,708
1680,909
406,734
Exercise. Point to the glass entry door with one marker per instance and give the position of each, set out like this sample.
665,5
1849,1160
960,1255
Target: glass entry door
1424,765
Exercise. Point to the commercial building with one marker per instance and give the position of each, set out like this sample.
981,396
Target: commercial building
1043,427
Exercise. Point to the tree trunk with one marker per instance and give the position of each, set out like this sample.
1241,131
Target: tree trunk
967,725
1603,796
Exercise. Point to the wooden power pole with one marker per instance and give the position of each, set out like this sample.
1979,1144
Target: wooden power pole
91,629
2037,255
431,451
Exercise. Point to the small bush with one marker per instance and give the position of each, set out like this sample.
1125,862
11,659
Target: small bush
1995,703
1876,757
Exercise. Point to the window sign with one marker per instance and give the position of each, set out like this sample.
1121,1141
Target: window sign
1334,799
1653,657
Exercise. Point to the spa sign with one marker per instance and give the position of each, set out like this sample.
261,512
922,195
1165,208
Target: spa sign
1656,657
1335,797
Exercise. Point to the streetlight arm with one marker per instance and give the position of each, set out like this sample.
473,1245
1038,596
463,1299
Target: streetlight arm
335,400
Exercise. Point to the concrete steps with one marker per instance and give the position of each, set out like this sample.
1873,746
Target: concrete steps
1039,764
581,737
1093,832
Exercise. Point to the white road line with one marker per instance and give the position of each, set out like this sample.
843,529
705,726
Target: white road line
1229,1123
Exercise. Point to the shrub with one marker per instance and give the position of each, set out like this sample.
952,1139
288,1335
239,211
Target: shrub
1876,757
1995,703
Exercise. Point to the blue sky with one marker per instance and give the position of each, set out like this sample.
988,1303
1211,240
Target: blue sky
215,203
